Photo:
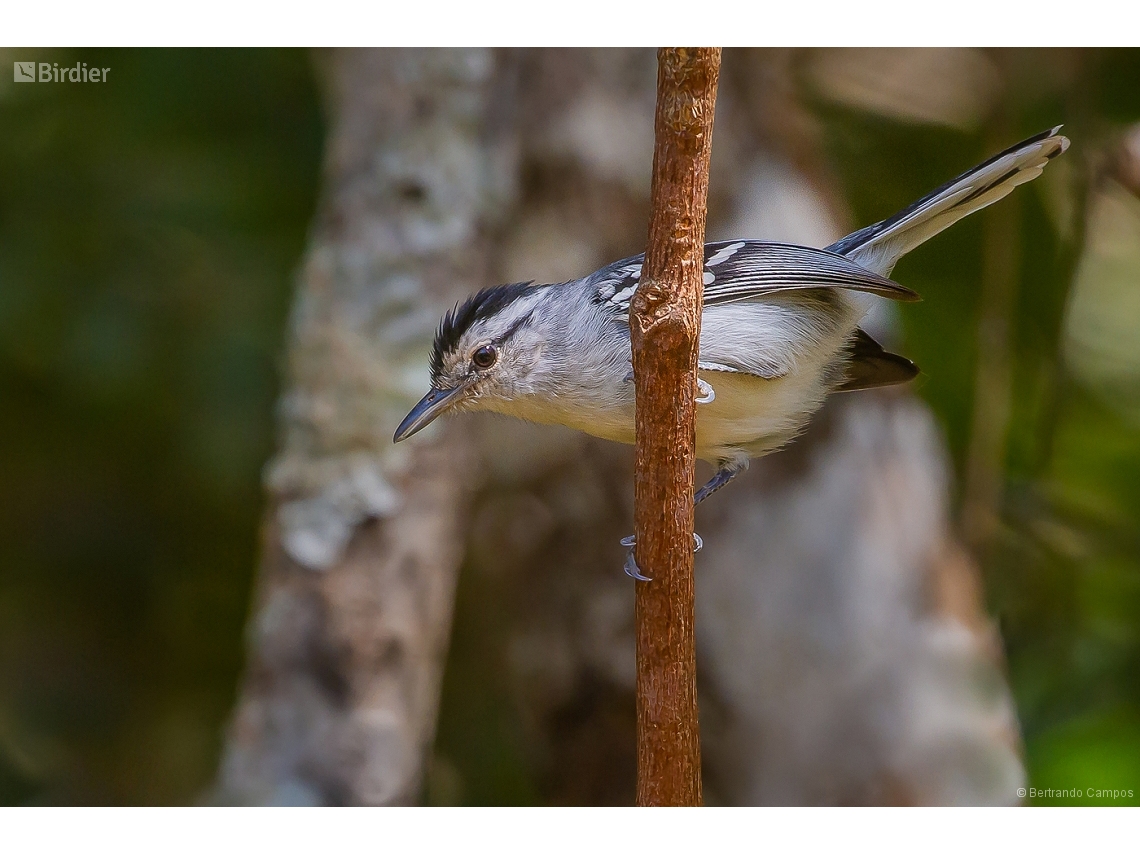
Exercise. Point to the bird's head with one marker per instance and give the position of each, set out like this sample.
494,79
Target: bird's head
483,354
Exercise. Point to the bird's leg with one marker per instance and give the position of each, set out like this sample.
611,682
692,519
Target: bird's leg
728,470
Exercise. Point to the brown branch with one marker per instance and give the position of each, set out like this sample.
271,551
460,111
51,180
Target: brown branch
665,328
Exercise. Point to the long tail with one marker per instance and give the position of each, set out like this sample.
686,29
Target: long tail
878,247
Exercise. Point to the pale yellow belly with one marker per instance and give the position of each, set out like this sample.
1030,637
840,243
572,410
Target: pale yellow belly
753,413
747,413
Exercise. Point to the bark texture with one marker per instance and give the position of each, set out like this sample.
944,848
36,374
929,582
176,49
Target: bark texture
665,328
362,540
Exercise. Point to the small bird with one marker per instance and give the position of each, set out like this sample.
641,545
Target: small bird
779,331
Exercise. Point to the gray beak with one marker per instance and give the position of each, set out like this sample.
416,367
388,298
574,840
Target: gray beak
426,411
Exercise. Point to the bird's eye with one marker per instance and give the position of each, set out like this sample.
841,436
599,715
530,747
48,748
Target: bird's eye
485,356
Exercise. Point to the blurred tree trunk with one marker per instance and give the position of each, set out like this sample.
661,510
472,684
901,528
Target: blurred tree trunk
844,652
362,540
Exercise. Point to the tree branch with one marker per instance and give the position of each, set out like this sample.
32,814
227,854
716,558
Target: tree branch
665,327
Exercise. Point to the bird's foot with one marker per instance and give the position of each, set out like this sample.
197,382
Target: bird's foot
631,568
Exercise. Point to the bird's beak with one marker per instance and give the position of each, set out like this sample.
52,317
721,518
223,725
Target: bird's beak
430,407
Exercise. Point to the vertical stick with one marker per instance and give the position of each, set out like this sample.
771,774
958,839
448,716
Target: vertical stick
665,328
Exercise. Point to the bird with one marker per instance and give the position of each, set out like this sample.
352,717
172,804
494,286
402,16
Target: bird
779,331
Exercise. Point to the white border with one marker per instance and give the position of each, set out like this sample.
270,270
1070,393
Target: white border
240,23
566,831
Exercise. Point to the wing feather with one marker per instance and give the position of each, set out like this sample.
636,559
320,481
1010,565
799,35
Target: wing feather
745,270
871,366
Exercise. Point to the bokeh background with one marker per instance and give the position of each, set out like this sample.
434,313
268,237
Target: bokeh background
150,233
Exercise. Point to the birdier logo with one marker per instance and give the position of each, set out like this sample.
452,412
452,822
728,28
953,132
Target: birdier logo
50,72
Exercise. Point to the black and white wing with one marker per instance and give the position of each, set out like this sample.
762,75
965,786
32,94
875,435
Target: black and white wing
862,261
744,270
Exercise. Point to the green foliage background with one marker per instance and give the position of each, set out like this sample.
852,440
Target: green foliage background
149,228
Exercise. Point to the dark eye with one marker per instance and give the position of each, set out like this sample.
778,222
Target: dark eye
485,356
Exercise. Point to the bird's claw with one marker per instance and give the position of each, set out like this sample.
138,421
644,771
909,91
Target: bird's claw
631,568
